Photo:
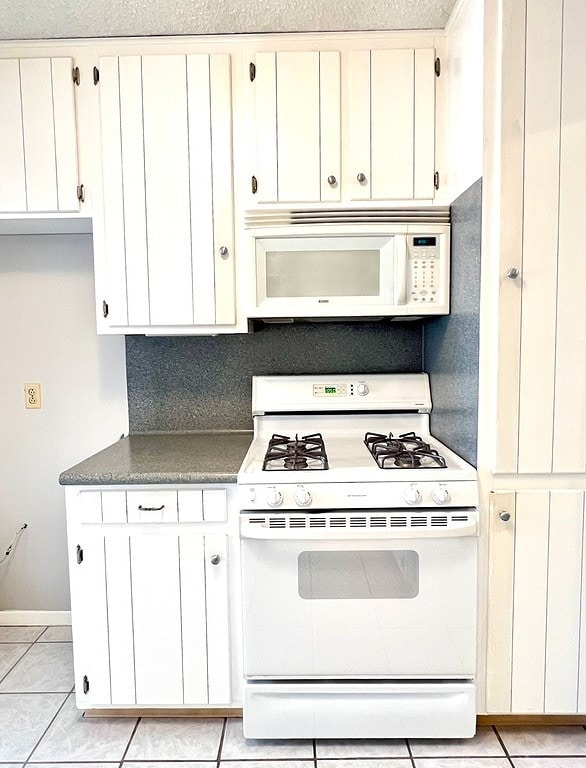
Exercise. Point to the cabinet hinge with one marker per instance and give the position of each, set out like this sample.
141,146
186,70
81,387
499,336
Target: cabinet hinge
252,71
96,75
105,308
75,75
437,66
85,684
81,193
436,180
79,554
254,185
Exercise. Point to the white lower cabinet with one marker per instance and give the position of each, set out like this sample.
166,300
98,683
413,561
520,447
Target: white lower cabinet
536,603
150,598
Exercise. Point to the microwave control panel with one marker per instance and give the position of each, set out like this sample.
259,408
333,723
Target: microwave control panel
423,270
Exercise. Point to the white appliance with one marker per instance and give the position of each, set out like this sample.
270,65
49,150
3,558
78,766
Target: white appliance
334,266
359,565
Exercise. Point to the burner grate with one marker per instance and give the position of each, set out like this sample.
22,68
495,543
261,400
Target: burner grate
299,453
407,451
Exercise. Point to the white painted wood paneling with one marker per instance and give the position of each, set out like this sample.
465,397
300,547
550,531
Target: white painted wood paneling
113,506
133,189
392,128
113,198
511,241
218,620
120,623
193,619
167,189
200,182
65,134
156,615
298,126
38,134
540,235
358,126
215,505
500,602
569,451
563,601
12,178
530,601
223,291
424,124
265,91
190,504
330,125
90,507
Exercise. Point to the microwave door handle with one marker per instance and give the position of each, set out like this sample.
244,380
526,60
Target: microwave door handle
400,269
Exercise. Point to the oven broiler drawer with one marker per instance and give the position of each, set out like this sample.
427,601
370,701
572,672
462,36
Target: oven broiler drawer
372,710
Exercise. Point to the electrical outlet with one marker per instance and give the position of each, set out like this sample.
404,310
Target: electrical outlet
32,395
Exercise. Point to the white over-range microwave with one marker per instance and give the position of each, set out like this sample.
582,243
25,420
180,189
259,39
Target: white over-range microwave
313,268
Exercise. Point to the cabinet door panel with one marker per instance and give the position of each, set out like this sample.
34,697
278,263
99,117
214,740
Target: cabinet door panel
166,153
265,92
424,127
298,126
330,125
217,617
120,627
392,106
12,178
358,125
156,613
65,134
193,619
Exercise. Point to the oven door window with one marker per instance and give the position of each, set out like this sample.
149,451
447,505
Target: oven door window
358,575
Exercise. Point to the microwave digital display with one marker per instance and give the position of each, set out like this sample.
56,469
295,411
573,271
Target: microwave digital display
421,242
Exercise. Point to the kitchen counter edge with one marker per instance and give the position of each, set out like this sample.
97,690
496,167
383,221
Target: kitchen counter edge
163,459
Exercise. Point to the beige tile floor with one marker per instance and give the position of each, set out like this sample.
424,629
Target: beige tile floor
40,727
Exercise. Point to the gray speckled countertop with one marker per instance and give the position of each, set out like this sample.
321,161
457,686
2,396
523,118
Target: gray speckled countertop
172,457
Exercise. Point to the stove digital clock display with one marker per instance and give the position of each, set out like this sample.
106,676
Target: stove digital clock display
337,390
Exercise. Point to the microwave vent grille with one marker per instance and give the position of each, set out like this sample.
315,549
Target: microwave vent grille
285,218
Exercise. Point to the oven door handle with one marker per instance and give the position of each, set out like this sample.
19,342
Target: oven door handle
256,531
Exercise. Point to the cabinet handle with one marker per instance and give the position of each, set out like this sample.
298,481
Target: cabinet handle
215,559
361,178
513,273
332,181
224,252
151,509
505,516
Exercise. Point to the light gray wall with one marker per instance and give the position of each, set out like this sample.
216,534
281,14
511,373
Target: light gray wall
47,335
205,382
451,343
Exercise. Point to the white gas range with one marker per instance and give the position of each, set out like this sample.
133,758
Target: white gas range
359,537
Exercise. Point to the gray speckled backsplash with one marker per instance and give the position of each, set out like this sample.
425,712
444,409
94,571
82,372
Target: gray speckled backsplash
451,343
204,382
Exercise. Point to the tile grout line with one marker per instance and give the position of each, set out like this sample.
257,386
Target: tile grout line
25,762
410,751
221,744
314,747
138,719
20,658
503,745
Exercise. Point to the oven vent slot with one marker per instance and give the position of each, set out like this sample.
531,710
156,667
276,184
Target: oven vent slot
297,522
357,522
317,522
257,520
398,521
378,522
363,522
419,522
460,518
337,522
439,522
277,522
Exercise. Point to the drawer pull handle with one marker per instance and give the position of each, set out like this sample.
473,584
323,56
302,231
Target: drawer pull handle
151,509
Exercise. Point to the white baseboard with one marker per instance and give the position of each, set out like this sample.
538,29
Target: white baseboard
34,618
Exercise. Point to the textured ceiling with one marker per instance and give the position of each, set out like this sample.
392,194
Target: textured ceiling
28,19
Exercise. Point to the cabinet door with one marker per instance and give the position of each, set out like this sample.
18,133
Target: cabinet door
38,151
535,603
297,110
167,176
391,125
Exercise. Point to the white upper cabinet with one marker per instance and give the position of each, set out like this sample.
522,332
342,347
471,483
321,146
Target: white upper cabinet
168,226
38,150
343,125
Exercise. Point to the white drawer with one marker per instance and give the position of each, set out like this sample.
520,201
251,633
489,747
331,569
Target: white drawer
152,506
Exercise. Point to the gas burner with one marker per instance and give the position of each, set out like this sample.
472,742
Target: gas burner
407,451
300,453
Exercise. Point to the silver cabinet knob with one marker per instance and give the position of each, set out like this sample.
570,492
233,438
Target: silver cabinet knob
223,252
513,273
215,559
332,181
505,516
361,178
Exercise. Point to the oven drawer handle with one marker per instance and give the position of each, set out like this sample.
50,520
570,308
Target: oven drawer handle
256,531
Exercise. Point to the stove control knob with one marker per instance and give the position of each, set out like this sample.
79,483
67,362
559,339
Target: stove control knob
362,389
303,497
274,497
412,495
440,494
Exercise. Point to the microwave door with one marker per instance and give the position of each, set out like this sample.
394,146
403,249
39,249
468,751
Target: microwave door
400,268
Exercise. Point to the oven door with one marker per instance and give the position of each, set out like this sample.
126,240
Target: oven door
359,602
